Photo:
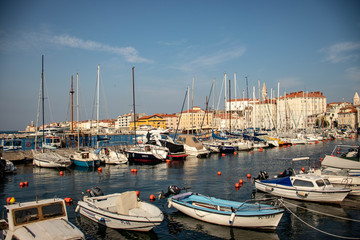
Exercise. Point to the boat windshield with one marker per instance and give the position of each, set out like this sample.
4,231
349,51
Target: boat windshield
320,183
26,215
303,183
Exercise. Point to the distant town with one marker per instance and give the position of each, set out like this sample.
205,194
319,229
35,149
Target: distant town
291,112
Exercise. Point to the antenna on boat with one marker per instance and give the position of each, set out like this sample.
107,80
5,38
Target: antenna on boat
133,82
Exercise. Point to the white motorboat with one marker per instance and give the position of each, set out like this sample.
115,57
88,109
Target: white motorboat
227,213
303,187
120,211
50,159
340,178
192,146
43,219
109,156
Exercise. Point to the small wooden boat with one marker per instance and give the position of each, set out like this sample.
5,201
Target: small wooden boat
227,213
43,219
120,211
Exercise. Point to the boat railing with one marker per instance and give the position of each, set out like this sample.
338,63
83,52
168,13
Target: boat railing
274,201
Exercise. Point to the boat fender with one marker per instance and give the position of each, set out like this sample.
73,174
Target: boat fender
170,204
232,217
77,208
100,219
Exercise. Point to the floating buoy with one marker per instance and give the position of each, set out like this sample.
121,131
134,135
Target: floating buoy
26,183
248,175
8,199
241,181
235,153
338,152
88,190
137,193
61,173
68,200
252,152
21,184
237,185
260,150
294,144
152,197
11,200
338,149
168,161
223,154
99,169
219,173
281,173
310,143
332,155
316,142
303,169
135,170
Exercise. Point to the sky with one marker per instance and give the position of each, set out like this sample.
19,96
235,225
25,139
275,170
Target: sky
309,45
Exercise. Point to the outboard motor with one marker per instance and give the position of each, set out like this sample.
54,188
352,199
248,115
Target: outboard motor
95,192
262,175
172,189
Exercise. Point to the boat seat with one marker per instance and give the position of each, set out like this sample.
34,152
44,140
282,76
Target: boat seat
126,201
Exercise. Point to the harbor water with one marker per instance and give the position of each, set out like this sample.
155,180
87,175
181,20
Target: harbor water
200,175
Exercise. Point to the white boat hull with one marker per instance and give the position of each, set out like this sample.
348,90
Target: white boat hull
325,196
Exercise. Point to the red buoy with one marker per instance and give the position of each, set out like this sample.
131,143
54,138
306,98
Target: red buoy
26,183
21,184
241,181
219,173
248,175
61,173
137,193
152,197
303,169
223,154
99,169
237,185
68,200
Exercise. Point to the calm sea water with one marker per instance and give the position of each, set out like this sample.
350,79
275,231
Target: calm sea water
201,176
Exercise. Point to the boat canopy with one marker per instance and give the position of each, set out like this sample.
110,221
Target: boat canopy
281,181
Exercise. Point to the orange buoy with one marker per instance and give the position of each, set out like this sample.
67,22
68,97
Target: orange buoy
235,153
68,200
135,170
241,181
237,185
303,169
168,161
281,173
310,143
152,197
219,173
8,199
294,144
99,169
252,152
223,154
137,193
26,183
21,184
338,149
88,190
61,173
338,152
248,175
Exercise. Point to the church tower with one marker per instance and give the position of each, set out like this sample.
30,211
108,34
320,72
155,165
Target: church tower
356,99
264,92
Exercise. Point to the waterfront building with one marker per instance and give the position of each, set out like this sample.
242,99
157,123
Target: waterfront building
332,110
171,121
155,121
348,117
295,109
195,119
356,100
122,123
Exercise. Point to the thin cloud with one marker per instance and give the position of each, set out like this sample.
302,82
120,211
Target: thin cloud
290,83
129,53
212,60
341,52
173,43
353,74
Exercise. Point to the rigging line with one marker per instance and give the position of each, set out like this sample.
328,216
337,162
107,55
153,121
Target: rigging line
104,97
319,230
207,107
311,210
182,109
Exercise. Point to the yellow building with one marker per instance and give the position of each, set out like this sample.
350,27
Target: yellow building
195,119
155,121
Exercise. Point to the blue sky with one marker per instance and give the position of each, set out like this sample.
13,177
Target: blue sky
305,45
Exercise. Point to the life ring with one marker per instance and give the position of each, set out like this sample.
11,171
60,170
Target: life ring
28,144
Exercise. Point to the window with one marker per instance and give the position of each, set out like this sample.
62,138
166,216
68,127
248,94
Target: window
320,183
53,210
26,215
303,183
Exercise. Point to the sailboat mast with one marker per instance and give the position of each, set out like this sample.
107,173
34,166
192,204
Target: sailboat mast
72,105
98,99
77,108
230,106
133,82
42,98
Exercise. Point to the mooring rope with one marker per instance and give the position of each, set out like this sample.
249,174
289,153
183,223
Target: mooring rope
311,210
319,230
